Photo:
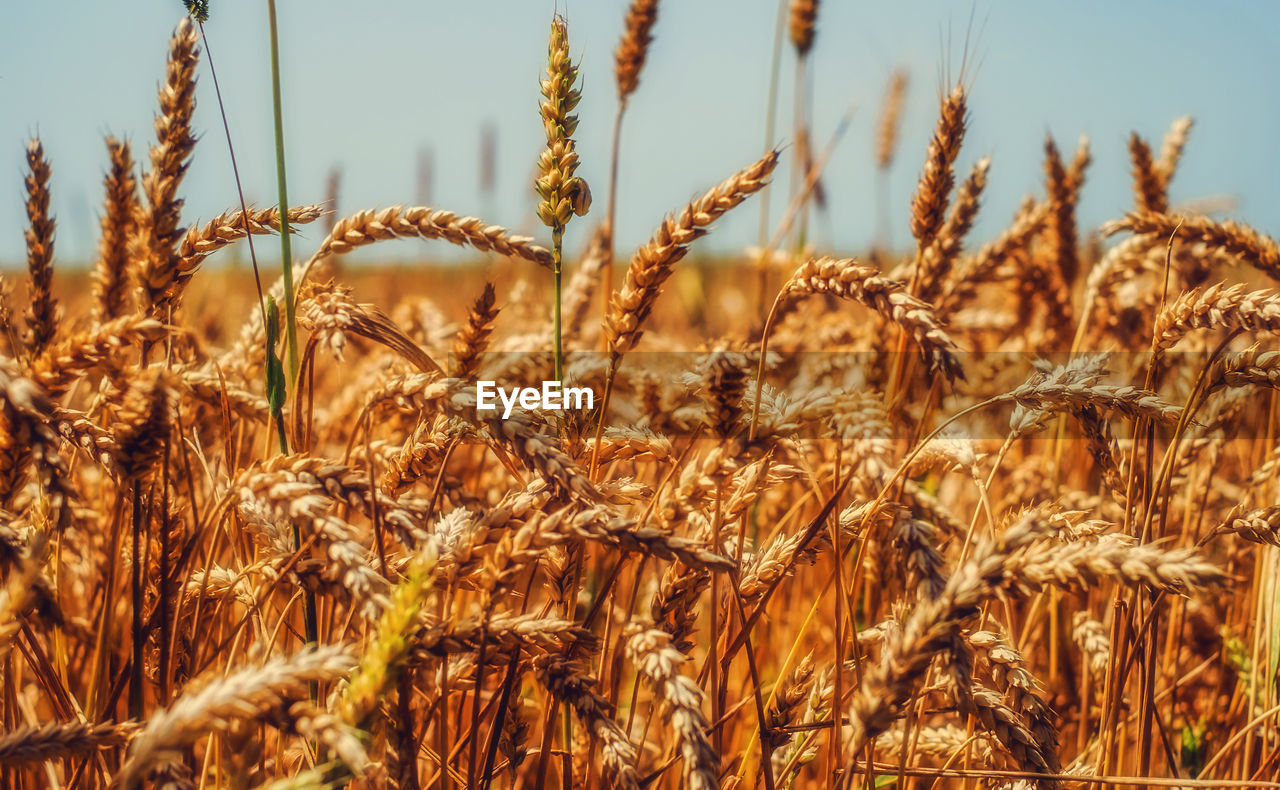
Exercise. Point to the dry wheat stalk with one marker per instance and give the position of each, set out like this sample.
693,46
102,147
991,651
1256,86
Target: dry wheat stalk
945,249
1063,187
931,629
1251,368
19,591
329,311
1068,388
142,424
1023,691
26,436
943,741
788,699
327,730
989,708
972,271
674,607
1086,562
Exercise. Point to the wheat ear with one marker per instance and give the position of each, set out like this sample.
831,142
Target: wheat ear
158,227
120,207
42,312
653,263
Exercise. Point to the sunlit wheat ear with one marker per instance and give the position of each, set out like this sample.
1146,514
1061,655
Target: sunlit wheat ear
1260,251
803,25
788,702
224,229
945,249
1148,184
1218,306
1066,389
1247,369
653,263
848,279
42,312
659,662
119,214
27,438
563,194
106,347
1024,693
634,46
890,115
933,192
60,741
569,681
974,270
159,230
1256,526
1062,185
329,312
1091,637
247,694
930,629
473,337
1171,149
367,227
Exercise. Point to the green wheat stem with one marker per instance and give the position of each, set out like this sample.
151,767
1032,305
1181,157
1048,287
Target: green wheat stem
286,255
557,238
286,266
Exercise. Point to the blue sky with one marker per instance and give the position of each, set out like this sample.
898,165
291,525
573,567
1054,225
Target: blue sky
367,87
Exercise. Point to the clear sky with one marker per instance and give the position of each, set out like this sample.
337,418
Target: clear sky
370,85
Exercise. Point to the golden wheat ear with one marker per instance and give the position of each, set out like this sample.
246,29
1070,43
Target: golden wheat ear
159,224
42,311
654,262
633,48
119,214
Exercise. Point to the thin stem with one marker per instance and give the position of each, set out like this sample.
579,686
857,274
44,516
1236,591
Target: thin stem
286,255
557,239
136,592
771,114
235,172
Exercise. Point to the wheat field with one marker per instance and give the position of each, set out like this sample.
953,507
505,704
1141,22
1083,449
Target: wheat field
971,513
